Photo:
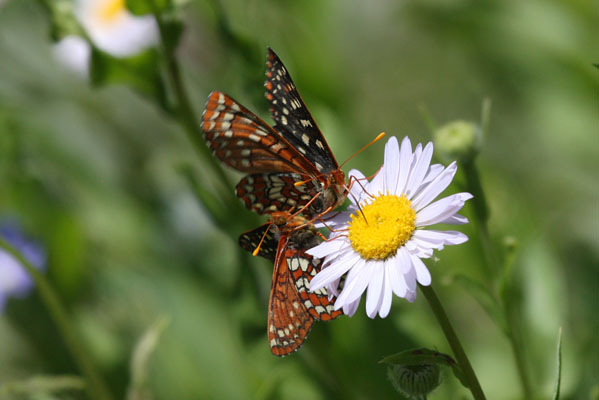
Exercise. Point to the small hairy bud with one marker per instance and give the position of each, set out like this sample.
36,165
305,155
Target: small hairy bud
458,140
414,381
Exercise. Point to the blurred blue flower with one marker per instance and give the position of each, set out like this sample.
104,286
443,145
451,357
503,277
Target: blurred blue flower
14,279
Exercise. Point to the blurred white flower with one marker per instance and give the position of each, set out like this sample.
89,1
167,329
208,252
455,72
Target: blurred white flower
14,279
74,52
378,243
112,29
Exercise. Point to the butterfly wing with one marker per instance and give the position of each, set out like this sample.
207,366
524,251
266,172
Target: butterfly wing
250,240
293,120
243,141
303,268
289,322
270,192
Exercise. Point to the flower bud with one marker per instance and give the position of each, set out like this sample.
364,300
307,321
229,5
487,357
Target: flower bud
414,381
458,140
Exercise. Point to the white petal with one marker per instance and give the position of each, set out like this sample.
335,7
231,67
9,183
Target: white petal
329,247
334,219
392,160
420,169
419,248
387,298
422,273
349,309
405,160
333,289
405,261
355,285
377,184
333,272
358,183
410,277
432,173
411,296
374,293
444,237
416,155
438,185
455,220
440,210
357,175
395,277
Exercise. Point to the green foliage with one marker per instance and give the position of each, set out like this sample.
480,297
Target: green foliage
143,7
42,387
62,20
485,299
558,367
94,173
140,72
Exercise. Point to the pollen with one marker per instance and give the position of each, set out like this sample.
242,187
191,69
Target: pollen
382,227
111,9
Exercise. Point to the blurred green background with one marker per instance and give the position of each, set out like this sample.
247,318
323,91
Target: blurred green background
95,175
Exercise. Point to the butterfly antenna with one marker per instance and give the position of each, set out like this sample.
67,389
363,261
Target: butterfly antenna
300,183
376,139
359,207
257,250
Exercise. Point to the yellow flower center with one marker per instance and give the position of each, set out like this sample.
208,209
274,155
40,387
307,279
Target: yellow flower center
382,227
110,10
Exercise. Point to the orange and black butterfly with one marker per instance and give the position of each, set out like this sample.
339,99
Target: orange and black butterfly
292,308
290,165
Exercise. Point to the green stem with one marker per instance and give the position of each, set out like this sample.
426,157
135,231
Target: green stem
481,212
95,384
514,337
188,119
454,342
479,203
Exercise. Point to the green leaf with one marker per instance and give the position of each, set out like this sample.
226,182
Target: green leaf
172,28
41,385
141,72
144,7
140,359
559,366
486,300
423,356
62,19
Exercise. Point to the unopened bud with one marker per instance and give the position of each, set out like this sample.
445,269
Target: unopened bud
414,381
458,140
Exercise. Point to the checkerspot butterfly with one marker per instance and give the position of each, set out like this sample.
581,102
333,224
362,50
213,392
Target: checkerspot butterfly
292,308
291,166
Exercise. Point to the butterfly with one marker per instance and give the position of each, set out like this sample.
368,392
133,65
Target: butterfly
292,308
290,165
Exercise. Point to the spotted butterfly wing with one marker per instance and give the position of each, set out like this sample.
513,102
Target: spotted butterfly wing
243,141
263,237
271,192
295,152
292,309
293,120
303,268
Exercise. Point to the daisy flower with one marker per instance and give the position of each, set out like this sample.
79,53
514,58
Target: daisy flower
378,243
111,28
